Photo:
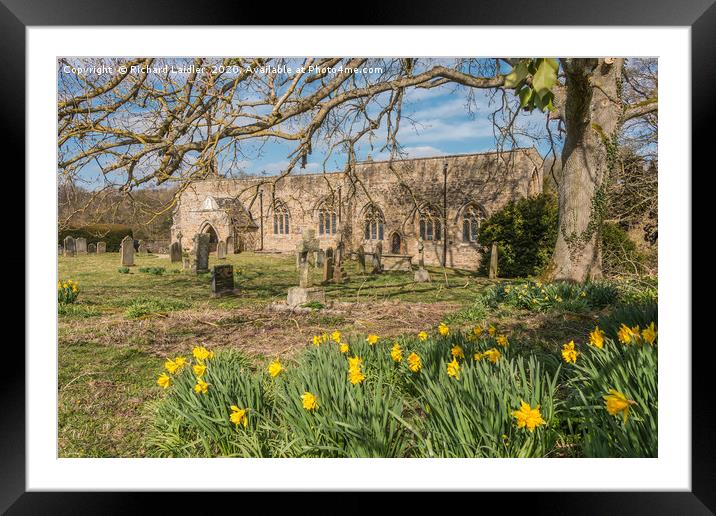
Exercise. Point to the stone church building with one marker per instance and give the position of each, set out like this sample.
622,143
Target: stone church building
441,199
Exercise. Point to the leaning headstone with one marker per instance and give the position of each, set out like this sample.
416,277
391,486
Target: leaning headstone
493,261
361,259
101,247
222,281
377,255
328,266
92,248
175,252
81,245
127,252
221,250
200,253
305,293
70,248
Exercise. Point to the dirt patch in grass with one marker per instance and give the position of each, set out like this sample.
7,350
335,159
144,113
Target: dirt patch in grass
256,330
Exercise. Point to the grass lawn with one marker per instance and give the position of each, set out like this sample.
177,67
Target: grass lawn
115,338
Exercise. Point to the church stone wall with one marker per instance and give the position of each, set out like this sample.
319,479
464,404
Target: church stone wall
401,190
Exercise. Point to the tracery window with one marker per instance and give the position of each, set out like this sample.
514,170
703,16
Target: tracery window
327,220
472,218
374,223
430,224
280,219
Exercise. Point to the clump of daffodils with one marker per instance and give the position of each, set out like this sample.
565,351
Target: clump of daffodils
492,354
175,366
67,291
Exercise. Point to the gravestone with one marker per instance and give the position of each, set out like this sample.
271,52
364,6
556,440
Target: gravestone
328,266
361,259
377,255
493,261
222,281
199,255
179,235
221,250
339,272
81,245
101,247
230,245
92,248
70,249
186,263
126,254
421,275
305,293
320,257
60,250
175,252
142,249
421,252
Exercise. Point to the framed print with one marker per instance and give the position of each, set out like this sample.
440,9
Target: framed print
422,252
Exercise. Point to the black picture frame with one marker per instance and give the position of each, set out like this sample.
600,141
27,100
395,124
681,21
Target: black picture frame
700,15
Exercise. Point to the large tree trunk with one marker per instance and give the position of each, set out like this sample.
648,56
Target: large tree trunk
591,113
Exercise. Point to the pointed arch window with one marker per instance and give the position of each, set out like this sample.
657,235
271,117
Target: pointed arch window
430,225
472,217
327,220
374,223
280,219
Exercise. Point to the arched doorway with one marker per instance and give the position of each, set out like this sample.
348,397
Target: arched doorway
213,236
396,243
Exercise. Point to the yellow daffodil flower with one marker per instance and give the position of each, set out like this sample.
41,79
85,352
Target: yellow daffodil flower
453,369
372,339
275,368
457,352
649,334
396,353
422,336
617,402
164,381
528,417
310,402
502,341
201,386
443,330
199,369
596,338
569,354
238,416
414,362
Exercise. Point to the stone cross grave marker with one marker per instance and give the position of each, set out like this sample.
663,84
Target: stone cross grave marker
179,235
70,249
421,275
92,248
328,266
339,272
493,261
175,252
81,245
377,255
200,253
126,253
221,250
308,244
222,281
361,259
101,247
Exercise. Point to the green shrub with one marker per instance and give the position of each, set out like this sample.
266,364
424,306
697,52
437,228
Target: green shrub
77,311
157,271
67,291
141,307
123,270
525,232
616,370
619,253
111,234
